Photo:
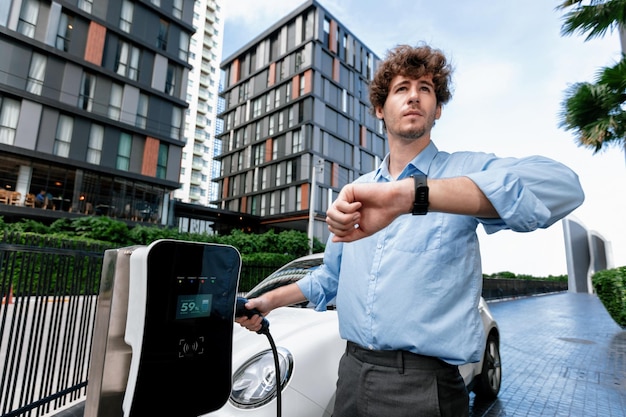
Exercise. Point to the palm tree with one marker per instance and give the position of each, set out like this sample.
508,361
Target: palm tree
595,111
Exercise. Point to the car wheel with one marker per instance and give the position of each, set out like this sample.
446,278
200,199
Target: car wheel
488,382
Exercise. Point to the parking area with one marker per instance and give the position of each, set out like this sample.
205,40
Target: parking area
562,355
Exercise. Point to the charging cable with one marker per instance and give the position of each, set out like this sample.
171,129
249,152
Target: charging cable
241,310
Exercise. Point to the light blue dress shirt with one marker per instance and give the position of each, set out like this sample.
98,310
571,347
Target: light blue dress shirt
416,284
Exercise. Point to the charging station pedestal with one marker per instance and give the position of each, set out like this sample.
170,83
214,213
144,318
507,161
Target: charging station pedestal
162,343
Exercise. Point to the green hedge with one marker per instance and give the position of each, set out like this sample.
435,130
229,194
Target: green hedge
610,285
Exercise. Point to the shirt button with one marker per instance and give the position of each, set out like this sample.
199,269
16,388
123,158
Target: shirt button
372,277
379,246
370,347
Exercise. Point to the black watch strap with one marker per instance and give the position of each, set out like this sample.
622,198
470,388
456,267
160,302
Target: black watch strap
420,205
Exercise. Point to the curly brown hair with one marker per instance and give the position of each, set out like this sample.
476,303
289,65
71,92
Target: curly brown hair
411,62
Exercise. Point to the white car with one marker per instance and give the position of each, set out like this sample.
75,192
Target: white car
309,349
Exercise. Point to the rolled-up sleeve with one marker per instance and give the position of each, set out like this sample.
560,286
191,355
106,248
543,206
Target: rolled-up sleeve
528,193
320,286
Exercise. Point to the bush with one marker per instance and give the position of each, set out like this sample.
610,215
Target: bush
610,285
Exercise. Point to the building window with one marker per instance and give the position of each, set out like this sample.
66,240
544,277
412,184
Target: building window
268,101
127,61
289,172
326,32
177,120
183,46
126,15
170,80
162,36
85,5
302,85
258,154
271,126
64,32
63,136
9,115
123,152
273,203
254,205
177,9
28,18
291,116
281,121
296,142
142,111
279,175
161,170
299,197
36,73
277,98
115,103
256,106
283,201
87,88
94,149
255,179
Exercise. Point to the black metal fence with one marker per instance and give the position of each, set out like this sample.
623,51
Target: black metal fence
498,288
49,294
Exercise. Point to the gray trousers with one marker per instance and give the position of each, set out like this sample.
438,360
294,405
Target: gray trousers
398,384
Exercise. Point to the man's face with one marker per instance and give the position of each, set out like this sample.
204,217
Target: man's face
411,107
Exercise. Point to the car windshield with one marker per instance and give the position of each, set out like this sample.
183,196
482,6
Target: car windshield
292,272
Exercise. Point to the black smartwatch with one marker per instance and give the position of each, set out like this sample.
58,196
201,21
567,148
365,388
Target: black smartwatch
420,205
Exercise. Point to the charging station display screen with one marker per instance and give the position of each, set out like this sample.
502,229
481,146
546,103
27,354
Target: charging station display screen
193,306
193,298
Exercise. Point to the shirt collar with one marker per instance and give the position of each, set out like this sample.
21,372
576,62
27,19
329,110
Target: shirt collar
420,163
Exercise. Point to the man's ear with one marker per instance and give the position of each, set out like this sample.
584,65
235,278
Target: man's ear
379,113
438,112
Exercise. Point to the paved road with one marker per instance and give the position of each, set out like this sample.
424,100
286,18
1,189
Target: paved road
562,355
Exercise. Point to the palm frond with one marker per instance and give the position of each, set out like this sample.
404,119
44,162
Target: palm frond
593,114
594,19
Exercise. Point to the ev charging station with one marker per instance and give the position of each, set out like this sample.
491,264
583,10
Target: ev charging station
162,343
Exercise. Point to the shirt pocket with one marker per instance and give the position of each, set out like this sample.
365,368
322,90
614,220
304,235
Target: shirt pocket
415,234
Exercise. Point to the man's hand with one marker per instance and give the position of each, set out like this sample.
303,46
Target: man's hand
254,323
363,209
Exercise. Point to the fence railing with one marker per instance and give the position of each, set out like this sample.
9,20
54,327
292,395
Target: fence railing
498,288
49,294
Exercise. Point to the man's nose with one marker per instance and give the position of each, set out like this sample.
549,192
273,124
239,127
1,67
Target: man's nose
414,96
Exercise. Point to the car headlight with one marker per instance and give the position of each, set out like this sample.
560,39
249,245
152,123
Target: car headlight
254,383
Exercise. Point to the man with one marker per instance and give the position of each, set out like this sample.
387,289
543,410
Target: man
404,261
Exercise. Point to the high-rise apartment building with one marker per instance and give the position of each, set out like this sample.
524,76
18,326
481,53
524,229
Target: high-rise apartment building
205,53
92,103
296,118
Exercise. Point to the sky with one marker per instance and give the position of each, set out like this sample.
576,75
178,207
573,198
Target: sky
512,67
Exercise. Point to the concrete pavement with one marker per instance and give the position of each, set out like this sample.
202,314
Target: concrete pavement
562,355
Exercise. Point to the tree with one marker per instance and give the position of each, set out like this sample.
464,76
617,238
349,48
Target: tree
595,111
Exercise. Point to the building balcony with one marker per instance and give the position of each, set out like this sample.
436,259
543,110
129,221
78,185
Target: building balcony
198,149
